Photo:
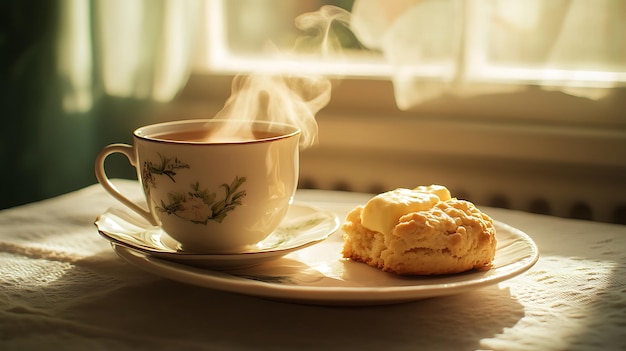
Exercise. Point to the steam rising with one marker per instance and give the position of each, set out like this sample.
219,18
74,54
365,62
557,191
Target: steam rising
319,27
292,100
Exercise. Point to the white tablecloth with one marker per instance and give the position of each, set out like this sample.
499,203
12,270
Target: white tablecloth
63,288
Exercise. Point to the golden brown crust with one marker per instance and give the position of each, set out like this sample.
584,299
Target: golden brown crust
452,237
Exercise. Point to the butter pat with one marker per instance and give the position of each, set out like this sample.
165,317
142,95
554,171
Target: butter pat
383,211
439,190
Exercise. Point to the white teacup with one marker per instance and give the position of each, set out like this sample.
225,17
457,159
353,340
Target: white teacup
212,192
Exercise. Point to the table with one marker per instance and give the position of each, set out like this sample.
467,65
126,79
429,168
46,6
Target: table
63,288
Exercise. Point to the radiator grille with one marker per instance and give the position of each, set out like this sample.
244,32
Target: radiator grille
576,209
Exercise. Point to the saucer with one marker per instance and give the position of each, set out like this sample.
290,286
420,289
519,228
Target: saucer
303,226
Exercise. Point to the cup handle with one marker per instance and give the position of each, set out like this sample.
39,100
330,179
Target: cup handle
102,178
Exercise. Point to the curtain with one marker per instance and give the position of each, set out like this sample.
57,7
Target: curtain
127,48
466,47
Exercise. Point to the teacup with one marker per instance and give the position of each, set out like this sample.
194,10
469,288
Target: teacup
209,186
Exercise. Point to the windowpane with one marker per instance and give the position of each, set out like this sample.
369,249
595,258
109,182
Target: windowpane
557,43
261,35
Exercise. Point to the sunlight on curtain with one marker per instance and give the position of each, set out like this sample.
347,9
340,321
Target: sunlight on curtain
74,55
575,46
175,52
138,48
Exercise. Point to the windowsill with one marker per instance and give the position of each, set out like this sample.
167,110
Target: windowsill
531,125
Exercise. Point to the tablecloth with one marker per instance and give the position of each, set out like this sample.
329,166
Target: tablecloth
63,288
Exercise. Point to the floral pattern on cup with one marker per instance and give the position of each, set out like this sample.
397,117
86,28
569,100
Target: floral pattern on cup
197,206
201,205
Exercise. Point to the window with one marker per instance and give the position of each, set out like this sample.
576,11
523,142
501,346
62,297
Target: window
576,46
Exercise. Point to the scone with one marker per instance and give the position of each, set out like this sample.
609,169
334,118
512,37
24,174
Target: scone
421,231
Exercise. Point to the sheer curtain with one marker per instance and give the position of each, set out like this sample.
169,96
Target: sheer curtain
126,48
144,48
466,47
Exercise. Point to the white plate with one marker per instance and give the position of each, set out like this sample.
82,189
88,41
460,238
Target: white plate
319,275
303,226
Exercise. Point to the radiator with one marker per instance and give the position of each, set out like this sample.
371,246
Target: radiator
588,193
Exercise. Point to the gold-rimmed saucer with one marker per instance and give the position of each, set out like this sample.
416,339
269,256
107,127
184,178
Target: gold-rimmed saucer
303,226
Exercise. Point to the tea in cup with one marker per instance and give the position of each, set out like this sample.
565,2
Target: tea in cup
216,186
